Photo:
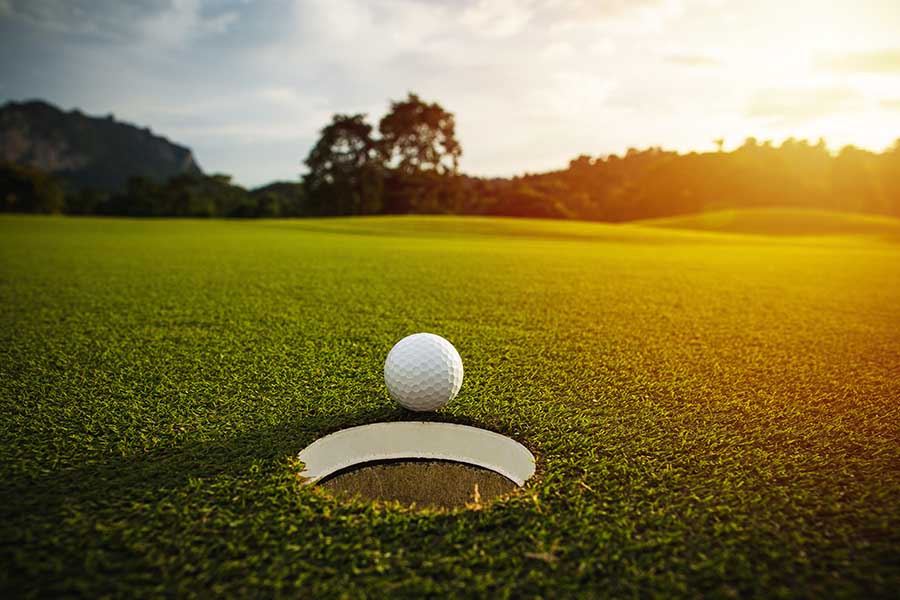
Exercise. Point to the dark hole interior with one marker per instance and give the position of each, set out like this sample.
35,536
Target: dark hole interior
425,483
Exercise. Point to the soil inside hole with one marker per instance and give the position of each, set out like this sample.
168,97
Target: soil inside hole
431,483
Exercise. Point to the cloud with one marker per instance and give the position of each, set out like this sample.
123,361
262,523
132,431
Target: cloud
581,10
113,20
800,104
106,18
183,20
874,61
248,85
693,60
628,17
493,18
538,66
508,18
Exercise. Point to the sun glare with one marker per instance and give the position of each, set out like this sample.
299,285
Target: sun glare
807,69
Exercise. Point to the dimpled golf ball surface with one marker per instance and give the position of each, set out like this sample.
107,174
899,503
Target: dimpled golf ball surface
423,372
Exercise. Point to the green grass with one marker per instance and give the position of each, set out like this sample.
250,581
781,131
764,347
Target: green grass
713,414
785,221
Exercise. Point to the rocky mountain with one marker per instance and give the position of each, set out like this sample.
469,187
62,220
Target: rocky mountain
87,152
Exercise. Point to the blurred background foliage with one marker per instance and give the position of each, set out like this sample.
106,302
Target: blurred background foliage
410,165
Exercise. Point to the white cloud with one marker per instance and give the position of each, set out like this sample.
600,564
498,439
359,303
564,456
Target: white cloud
181,22
497,18
885,61
601,48
693,60
798,104
558,52
626,17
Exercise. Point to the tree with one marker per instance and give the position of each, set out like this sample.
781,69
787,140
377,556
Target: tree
28,190
417,137
345,169
142,197
85,201
854,183
279,199
185,195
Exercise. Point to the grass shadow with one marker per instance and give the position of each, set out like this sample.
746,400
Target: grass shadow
132,478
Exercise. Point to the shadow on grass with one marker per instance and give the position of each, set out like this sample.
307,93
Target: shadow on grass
133,478
71,528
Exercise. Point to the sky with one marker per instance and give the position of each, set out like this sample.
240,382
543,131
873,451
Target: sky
247,85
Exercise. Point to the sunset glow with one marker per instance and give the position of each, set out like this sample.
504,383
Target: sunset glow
532,84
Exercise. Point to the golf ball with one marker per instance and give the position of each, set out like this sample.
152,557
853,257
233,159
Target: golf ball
423,372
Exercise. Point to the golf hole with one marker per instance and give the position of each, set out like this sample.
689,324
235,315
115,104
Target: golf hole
423,483
428,464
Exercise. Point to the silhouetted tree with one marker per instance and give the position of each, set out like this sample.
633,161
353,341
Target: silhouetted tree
417,136
854,183
890,175
412,168
421,154
345,169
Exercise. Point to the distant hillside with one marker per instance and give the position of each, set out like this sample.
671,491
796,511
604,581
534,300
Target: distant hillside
87,152
782,221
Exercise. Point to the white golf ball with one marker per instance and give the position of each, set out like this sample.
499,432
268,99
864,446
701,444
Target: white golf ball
423,372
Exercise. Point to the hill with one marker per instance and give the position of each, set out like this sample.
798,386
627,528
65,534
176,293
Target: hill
782,221
87,152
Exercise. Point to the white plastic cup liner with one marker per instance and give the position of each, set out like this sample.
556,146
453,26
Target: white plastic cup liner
417,440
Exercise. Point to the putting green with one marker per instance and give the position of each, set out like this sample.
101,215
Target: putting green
712,413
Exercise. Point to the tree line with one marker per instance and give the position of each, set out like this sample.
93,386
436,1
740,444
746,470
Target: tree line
410,164
28,190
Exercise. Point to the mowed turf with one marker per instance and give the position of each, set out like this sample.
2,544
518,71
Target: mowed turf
785,221
712,414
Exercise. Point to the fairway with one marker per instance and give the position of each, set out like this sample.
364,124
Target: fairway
713,413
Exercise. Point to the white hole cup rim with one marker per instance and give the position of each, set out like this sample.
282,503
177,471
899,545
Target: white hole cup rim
416,440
